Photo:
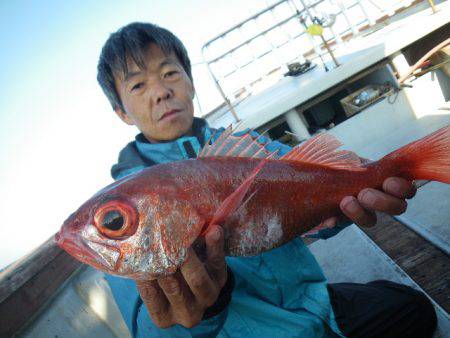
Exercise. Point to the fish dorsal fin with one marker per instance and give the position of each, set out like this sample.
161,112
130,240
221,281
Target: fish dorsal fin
246,144
322,149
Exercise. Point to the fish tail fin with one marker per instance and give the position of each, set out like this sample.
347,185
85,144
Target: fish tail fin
425,159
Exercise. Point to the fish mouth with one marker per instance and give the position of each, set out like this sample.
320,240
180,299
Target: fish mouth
78,248
108,253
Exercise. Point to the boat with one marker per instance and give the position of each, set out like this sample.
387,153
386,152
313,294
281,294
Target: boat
359,76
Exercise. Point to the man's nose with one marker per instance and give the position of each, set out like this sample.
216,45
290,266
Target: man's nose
161,92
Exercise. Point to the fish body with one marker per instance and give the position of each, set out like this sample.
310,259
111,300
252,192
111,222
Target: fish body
142,225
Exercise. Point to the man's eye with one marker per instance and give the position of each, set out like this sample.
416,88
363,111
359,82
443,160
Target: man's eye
137,86
171,73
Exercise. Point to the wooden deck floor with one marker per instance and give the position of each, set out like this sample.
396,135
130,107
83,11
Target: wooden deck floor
427,265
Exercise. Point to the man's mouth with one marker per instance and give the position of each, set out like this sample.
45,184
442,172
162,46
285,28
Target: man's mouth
169,113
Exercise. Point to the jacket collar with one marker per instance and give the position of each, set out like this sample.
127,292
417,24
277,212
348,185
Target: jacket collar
141,153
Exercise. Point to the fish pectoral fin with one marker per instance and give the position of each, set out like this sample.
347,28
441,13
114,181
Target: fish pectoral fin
322,149
235,200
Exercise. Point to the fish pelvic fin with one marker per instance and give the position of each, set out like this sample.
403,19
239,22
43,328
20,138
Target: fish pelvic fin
425,159
322,226
245,143
322,149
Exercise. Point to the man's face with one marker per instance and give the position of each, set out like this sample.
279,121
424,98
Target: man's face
158,99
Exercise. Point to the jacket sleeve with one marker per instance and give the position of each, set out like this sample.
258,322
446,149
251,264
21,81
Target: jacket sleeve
207,328
139,323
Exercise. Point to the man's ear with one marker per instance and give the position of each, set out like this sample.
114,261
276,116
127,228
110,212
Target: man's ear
124,116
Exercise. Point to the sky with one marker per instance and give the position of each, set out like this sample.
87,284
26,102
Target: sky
58,133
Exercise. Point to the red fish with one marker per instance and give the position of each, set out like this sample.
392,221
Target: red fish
142,225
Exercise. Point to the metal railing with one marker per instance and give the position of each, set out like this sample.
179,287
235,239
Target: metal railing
285,18
253,54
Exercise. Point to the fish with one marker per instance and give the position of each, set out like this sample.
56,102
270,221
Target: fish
142,226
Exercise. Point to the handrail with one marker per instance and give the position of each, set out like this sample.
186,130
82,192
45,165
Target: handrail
254,37
231,91
297,14
240,24
257,35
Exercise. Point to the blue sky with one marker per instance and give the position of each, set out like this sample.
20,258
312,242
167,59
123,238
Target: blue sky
58,135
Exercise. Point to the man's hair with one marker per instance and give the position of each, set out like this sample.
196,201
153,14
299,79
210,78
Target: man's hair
131,42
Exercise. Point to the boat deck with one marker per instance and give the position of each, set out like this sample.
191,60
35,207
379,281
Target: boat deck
411,248
392,250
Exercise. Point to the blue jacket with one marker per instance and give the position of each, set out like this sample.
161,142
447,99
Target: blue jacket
280,293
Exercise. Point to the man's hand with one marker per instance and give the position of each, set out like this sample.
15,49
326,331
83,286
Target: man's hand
391,200
183,297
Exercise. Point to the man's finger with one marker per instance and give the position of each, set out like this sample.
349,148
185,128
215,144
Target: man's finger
155,301
353,210
399,187
215,254
373,199
174,288
183,305
198,280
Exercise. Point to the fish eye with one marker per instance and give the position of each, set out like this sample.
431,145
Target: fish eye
116,219
113,220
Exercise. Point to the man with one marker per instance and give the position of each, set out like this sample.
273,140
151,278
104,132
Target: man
145,72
